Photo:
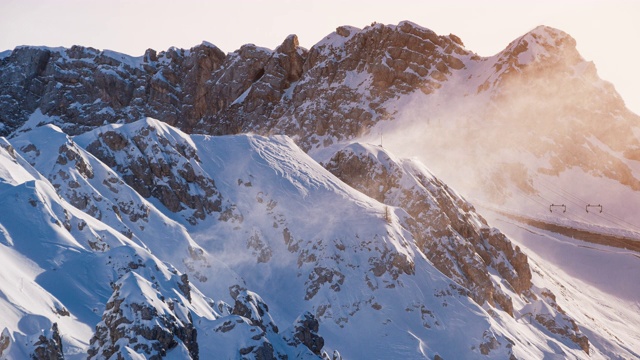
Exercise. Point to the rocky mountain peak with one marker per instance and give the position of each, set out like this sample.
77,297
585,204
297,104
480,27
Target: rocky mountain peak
438,215
543,44
289,44
161,162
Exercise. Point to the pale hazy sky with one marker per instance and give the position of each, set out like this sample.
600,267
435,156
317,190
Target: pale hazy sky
606,31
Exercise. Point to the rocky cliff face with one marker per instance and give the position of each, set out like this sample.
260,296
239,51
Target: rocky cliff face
447,229
143,321
537,96
193,89
351,75
305,332
87,88
302,93
160,165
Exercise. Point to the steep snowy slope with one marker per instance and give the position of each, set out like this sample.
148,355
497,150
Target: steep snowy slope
312,247
350,265
94,188
583,275
595,284
64,270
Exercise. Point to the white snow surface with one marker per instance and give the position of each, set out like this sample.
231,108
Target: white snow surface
596,284
295,234
132,61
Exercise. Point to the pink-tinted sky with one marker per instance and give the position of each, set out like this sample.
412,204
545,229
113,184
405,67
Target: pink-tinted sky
606,31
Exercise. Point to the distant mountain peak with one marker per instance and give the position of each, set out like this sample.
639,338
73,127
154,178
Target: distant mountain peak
543,43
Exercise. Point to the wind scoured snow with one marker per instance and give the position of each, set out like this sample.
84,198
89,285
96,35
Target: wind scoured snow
297,235
132,61
5,54
595,284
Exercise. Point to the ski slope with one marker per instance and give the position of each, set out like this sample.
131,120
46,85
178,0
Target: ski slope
596,284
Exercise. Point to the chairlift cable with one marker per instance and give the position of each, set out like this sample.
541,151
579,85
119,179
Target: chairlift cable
573,199
621,226
621,220
576,198
567,195
562,196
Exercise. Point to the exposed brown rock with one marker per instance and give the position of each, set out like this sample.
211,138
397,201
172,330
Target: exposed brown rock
168,178
48,348
441,222
306,333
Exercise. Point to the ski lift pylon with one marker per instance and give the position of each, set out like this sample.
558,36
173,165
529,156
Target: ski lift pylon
563,206
596,206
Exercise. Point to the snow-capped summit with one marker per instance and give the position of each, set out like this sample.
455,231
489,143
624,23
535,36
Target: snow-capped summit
541,43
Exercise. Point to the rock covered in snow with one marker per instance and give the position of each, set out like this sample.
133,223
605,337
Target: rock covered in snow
456,239
446,227
138,317
48,346
158,162
305,332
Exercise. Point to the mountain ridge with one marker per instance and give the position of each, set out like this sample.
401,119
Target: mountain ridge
203,60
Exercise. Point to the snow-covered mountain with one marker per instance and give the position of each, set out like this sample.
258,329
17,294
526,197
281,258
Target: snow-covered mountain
292,236
534,113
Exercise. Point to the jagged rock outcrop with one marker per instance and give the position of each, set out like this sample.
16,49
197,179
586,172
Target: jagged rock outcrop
157,313
193,89
446,227
253,313
138,317
48,346
353,67
263,78
305,332
558,322
251,89
456,239
159,164
86,88
251,306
